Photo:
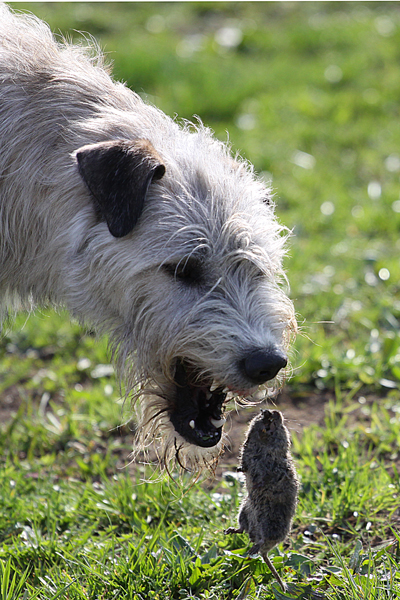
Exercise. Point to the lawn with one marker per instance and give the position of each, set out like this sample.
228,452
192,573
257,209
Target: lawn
309,92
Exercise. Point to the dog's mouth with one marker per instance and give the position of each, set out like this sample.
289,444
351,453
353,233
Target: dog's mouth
197,408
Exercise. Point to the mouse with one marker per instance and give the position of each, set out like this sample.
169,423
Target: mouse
272,485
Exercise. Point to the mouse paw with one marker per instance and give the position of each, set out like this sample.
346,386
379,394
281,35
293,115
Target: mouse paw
233,530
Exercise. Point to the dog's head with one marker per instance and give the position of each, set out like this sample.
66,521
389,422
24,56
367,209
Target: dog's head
204,315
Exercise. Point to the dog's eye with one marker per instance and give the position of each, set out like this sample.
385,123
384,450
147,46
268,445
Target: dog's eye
259,275
188,271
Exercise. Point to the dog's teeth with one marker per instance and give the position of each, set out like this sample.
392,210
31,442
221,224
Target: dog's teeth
192,424
213,386
225,390
208,395
217,422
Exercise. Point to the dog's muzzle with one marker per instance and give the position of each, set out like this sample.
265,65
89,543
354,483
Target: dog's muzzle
197,405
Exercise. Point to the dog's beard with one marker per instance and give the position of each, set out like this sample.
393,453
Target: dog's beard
182,419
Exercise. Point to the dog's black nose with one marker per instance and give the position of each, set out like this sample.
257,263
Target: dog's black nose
263,364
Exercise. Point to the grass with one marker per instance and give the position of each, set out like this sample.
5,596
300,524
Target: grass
73,525
309,93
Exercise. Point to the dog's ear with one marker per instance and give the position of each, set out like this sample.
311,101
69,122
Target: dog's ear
118,174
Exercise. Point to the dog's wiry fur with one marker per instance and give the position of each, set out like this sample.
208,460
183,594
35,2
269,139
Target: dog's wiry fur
145,229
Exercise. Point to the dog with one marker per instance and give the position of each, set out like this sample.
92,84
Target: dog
148,230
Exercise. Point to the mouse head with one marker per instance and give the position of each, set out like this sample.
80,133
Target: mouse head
268,427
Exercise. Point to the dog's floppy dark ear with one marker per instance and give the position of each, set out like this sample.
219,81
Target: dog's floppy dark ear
118,174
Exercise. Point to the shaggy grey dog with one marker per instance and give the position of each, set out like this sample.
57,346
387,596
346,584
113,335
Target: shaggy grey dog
145,229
